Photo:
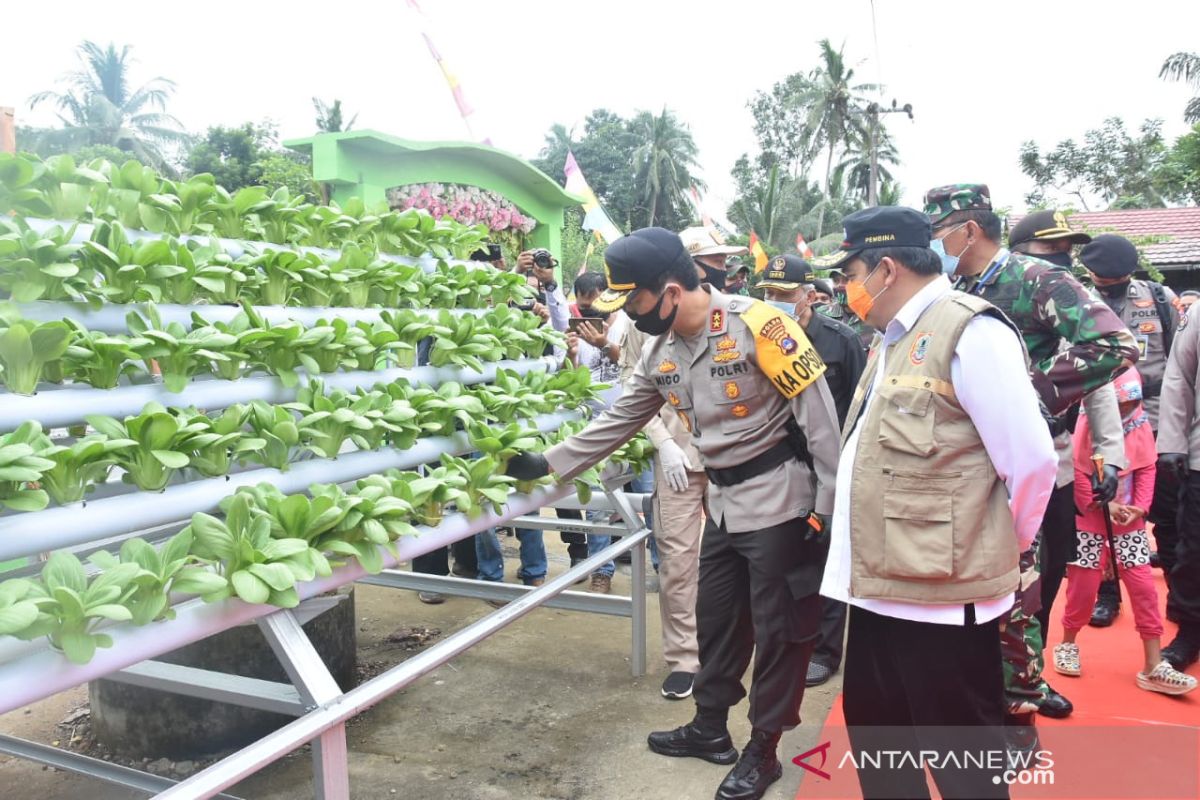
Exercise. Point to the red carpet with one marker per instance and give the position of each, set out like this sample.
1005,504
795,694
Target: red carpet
1121,741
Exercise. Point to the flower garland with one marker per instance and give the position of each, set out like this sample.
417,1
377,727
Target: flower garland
469,205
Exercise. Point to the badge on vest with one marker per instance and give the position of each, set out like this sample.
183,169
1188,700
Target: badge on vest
726,343
731,390
667,366
728,355
740,410
784,352
672,398
920,348
686,420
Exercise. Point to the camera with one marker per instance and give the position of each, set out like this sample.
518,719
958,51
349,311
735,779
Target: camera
543,259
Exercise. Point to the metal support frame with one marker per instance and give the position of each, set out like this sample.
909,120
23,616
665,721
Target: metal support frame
90,767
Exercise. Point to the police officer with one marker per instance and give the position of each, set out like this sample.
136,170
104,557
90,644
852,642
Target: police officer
1076,345
1150,310
785,285
747,384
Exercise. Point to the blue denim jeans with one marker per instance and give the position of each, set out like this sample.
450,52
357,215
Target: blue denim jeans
643,483
491,559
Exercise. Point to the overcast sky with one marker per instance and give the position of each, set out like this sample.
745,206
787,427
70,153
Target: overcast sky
982,77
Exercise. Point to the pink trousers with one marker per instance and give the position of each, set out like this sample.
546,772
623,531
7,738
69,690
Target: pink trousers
1083,584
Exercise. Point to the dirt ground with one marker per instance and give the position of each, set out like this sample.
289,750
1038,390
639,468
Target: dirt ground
546,708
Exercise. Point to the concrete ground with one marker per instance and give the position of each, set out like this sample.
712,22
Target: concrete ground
546,708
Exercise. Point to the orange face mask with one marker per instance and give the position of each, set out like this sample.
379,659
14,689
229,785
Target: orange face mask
858,299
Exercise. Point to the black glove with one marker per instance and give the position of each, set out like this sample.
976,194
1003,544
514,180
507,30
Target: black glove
1105,489
528,467
1174,462
817,527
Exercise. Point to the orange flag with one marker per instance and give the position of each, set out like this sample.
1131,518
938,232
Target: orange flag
756,250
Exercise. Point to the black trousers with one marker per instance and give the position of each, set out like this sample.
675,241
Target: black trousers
437,562
1183,581
575,541
913,686
1058,548
833,634
757,595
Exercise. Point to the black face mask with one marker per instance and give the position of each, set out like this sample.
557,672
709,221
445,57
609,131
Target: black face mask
651,323
715,276
1060,259
593,313
1114,291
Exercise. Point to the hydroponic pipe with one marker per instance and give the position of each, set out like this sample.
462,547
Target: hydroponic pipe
69,404
110,318
67,526
41,674
236,248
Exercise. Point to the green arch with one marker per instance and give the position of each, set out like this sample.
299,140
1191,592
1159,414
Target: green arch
366,164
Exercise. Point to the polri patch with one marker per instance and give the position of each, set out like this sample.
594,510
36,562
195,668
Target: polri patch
920,348
732,390
777,332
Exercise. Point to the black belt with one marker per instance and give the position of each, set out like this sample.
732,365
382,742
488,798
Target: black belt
779,453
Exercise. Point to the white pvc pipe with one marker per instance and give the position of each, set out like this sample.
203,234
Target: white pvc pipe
43,673
69,404
68,526
110,318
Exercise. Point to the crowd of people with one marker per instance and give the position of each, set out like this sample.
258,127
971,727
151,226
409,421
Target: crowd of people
893,470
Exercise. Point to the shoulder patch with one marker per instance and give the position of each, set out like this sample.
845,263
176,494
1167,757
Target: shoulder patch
716,322
784,352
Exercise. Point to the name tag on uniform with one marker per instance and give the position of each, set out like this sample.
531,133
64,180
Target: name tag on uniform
784,352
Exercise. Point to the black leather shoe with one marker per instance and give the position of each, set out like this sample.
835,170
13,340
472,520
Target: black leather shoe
1104,614
1021,738
1181,653
755,771
1055,705
688,741
818,673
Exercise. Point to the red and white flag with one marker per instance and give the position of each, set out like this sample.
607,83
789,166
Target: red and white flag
802,246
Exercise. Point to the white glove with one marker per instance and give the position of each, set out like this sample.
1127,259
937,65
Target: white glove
675,465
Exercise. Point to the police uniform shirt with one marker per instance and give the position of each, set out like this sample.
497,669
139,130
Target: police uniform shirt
844,358
992,385
733,412
1140,314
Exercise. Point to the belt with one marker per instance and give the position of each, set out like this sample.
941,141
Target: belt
779,453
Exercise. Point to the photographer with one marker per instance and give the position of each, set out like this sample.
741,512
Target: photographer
551,305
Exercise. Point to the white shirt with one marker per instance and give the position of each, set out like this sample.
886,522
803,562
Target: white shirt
992,384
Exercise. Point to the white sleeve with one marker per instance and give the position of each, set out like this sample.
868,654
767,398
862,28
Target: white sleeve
560,313
993,387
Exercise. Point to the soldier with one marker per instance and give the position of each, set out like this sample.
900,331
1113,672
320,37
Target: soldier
1179,452
1151,312
1076,345
1045,235
711,255
746,383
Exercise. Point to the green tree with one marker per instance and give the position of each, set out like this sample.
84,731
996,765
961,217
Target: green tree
1183,163
835,111
232,155
854,168
1121,170
98,106
663,160
1185,67
329,117
781,125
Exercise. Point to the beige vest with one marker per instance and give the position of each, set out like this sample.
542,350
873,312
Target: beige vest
929,521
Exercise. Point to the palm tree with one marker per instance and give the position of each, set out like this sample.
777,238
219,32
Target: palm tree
835,110
1185,67
99,107
663,159
854,168
329,117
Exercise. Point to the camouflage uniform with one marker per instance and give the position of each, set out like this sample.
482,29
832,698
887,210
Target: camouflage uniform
1076,345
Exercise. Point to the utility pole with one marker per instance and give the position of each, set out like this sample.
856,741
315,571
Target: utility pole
873,112
8,130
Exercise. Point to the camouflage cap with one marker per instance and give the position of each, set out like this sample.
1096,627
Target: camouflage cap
943,201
